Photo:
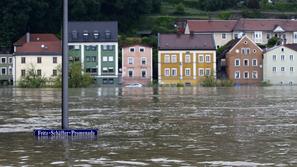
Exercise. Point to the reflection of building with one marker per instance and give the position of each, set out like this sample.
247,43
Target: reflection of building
259,30
6,65
39,51
137,63
244,62
280,64
185,59
95,46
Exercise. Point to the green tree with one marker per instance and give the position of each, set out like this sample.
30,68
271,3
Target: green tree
180,9
77,79
32,79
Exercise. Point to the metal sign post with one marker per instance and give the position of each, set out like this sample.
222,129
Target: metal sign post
65,115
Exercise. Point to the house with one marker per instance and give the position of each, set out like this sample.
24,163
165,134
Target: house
95,46
41,52
280,65
259,30
6,65
185,59
137,63
244,62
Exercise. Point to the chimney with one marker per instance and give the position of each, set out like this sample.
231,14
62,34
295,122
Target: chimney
27,37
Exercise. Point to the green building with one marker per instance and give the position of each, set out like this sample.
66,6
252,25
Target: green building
6,68
95,45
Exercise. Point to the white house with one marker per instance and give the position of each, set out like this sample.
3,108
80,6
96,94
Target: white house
280,65
42,52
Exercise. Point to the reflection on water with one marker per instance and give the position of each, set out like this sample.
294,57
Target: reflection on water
191,126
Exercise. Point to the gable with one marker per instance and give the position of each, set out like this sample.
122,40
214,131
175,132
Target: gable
245,38
278,29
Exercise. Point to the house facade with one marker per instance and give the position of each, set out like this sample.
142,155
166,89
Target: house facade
185,59
259,30
280,65
244,64
137,63
41,52
95,46
6,67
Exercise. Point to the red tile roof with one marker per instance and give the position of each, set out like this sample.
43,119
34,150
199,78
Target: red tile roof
265,24
40,44
186,42
211,25
204,26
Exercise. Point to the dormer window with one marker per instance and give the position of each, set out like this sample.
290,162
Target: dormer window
107,34
85,35
74,34
96,35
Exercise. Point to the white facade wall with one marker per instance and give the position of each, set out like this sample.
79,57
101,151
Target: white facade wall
46,66
279,77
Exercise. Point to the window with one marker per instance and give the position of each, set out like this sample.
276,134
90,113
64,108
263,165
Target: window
292,69
130,60
187,72
255,75
167,72
188,58
23,73
10,70
104,58
104,47
237,62
143,60
141,49
236,36
273,69
295,37
54,72
290,83
23,60
88,59
110,58
255,63
110,69
96,34
130,73
10,60
132,49
254,50
291,57
201,72
245,75
55,60
207,58
107,34
274,57
223,36
268,36
39,72
93,58
173,59
173,72
237,75
3,60
258,36
104,69
85,35
3,71
201,58
143,73
74,34
283,49
245,51
282,57
207,72
282,68
246,62
167,59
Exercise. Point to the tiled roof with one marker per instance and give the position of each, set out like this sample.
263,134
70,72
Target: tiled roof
104,31
186,42
39,44
204,26
211,25
37,38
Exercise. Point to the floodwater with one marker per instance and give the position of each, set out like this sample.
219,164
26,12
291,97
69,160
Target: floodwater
192,126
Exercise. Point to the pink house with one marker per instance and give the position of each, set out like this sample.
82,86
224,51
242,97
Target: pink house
137,64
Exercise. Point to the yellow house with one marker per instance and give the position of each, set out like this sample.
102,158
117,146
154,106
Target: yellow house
185,59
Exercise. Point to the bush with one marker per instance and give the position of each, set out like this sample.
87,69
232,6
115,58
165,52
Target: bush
180,9
209,81
272,42
32,79
224,15
179,85
77,79
225,83
265,83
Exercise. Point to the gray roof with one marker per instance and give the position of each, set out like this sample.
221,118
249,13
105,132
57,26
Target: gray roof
5,55
186,42
105,31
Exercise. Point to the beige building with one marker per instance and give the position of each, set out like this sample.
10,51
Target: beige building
41,52
259,30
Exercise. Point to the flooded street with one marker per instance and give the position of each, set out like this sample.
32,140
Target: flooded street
192,126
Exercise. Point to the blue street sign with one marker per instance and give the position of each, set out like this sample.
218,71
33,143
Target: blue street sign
69,132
